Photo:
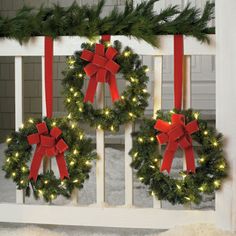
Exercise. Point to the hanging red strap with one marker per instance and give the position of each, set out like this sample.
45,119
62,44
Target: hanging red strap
178,70
48,61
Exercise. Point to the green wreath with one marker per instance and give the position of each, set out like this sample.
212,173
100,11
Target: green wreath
186,188
128,108
78,160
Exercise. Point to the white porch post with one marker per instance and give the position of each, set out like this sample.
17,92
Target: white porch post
226,106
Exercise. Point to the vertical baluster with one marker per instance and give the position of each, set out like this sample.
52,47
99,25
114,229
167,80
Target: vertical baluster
128,169
20,198
100,166
187,100
158,60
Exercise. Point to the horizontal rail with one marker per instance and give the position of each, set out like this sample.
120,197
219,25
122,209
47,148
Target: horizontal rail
66,45
146,218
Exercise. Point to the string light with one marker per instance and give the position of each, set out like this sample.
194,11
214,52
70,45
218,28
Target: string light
140,139
81,136
141,178
146,69
152,139
22,126
156,160
80,75
23,168
80,109
202,159
62,182
40,192
17,154
54,123
8,140
131,114
172,112
46,181
13,174
217,183
72,89
69,116
88,163
99,127
31,121
72,163
205,132
196,115
68,100
145,90
187,198
222,166
8,160
107,112
22,181
75,94
135,154
112,128
215,143
75,181
153,167
75,152
72,125
52,196
152,194
127,53
134,99
122,97
178,186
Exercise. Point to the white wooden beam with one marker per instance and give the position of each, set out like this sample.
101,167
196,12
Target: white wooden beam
147,218
158,73
66,45
100,142
128,169
225,107
20,198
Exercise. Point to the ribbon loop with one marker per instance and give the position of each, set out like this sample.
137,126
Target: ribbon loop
174,135
47,145
101,68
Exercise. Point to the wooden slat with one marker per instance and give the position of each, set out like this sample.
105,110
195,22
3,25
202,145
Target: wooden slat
158,73
187,95
100,165
147,218
128,169
66,45
20,198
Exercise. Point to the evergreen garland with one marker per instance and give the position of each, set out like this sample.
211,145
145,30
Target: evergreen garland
185,188
78,160
140,22
133,99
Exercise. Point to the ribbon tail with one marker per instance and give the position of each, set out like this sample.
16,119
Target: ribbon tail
36,162
61,163
168,157
189,157
91,90
113,88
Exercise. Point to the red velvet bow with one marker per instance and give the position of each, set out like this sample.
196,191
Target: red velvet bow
102,69
47,145
177,134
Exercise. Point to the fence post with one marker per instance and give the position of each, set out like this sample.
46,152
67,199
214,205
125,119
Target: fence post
19,111
225,107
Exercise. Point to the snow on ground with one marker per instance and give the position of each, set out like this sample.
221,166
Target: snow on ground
191,230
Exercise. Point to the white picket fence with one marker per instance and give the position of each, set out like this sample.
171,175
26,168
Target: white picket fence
101,215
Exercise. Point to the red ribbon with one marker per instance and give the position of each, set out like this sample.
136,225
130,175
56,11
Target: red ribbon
47,145
175,135
48,62
102,69
178,70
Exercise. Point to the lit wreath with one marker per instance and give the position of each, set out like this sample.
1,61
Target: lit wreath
188,187
127,107
57,138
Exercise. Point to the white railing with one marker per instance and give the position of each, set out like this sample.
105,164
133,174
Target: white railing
99,214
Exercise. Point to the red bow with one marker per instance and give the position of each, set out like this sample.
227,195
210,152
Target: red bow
177,134
47,145
101,68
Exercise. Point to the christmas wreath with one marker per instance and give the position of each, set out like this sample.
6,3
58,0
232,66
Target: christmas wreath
101,63
59,138
183,129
